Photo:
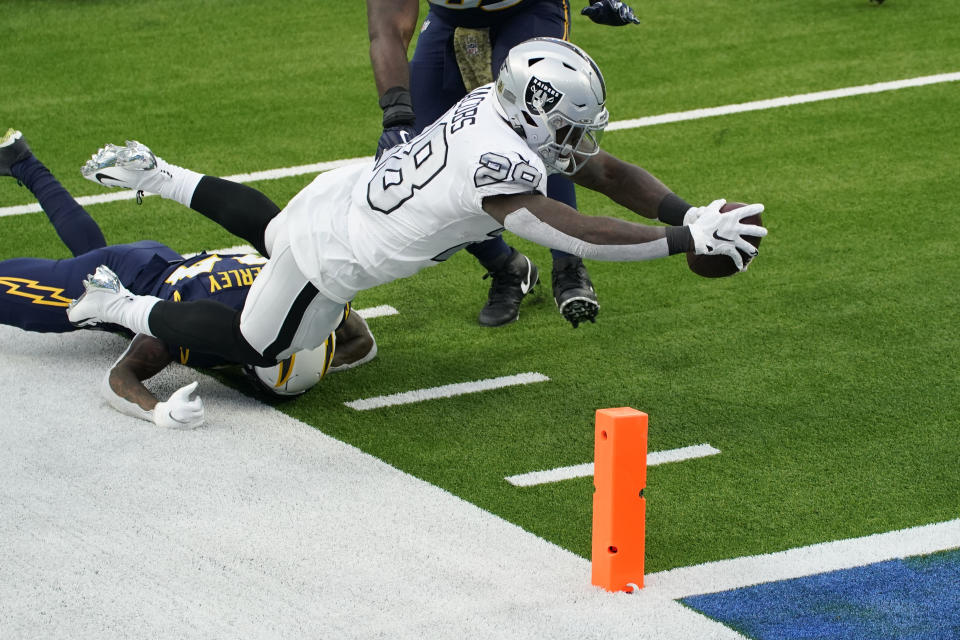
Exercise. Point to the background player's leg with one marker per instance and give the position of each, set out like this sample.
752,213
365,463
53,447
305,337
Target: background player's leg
435,86
572,289
72,223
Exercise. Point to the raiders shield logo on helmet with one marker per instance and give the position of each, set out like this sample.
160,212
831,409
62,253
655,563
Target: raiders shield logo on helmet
541,97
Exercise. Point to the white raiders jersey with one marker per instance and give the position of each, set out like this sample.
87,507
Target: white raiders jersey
361,226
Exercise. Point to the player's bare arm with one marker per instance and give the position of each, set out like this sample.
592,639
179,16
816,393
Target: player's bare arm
626,184
354,342
144,358
559,226
390,25
123,388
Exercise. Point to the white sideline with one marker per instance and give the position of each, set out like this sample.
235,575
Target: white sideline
445,391
257,526
693,114
654,458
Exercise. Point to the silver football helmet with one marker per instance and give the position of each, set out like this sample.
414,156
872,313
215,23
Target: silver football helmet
553,95
296,374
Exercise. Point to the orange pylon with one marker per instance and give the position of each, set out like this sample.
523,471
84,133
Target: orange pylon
619,508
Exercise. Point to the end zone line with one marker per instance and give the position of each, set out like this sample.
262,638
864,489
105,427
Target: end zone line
736,573
693,114
445,391
583,470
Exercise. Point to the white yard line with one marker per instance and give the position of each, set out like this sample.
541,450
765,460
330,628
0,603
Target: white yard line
269,174
583,470
377,312
680,116
445,391
785,101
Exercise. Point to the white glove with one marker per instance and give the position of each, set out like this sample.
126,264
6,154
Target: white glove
692,215
716,233
180,411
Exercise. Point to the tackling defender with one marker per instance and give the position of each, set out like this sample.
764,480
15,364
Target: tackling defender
479,169
461,46
35,292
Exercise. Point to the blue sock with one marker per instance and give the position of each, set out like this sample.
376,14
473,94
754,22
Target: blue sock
490,252
73,224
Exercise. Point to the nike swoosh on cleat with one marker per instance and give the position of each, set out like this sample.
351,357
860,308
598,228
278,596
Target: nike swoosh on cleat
721,237
525,285
101,176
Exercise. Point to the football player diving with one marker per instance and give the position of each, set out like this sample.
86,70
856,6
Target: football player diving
481,168
34,294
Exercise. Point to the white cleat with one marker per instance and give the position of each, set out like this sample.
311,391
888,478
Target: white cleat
103,294
133,166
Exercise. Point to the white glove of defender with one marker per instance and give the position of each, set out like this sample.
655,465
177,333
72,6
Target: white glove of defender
716,233
180,411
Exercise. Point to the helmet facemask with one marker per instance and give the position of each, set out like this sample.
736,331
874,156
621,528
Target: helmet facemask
573,144
553,95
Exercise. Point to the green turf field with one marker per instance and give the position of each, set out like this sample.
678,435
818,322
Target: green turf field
827,375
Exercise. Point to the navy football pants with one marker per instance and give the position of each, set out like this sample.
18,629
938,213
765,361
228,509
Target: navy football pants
35,292
436,84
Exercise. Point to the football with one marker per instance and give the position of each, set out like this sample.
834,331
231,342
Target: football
723,266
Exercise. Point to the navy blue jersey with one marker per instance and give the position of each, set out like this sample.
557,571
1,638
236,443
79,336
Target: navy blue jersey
482,13
221,277
35,292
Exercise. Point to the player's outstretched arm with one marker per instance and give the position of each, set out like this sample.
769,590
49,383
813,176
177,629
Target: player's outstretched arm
123,387
558,226
626,184
636,189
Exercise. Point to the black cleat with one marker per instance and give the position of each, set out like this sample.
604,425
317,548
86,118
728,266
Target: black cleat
512,280
573,291
13,149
